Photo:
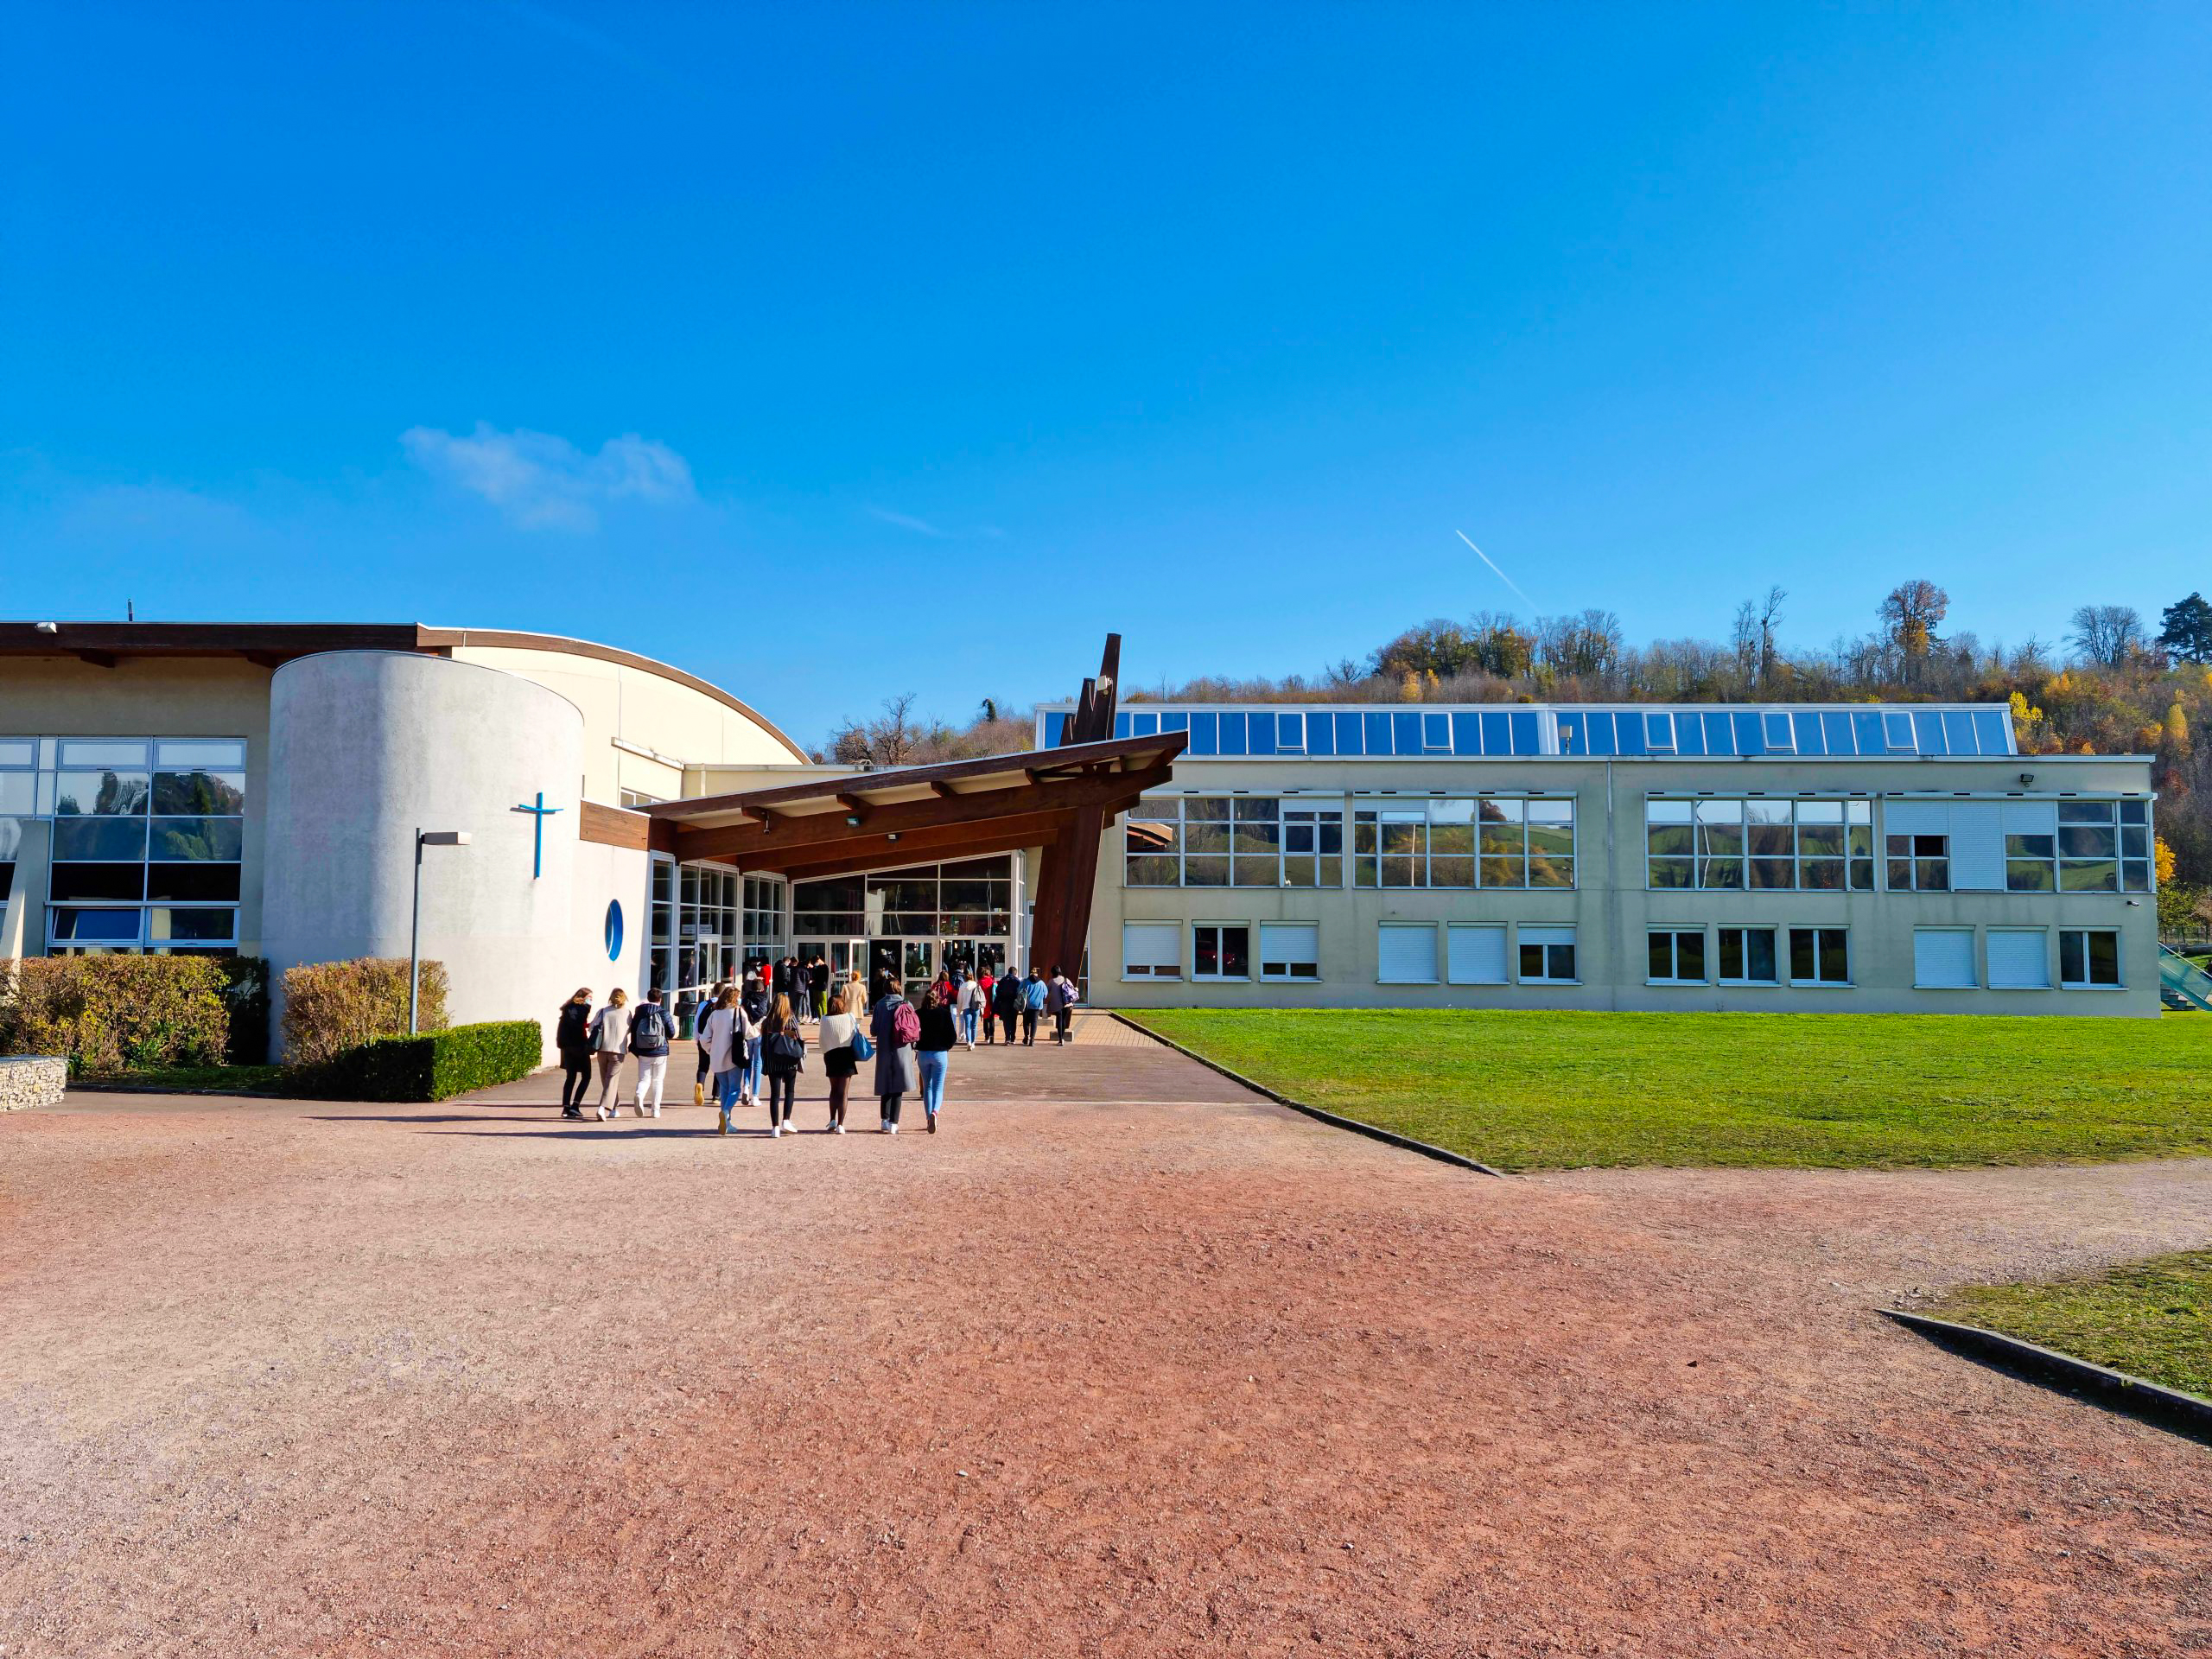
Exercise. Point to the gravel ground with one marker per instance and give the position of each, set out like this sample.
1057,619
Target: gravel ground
1125,1360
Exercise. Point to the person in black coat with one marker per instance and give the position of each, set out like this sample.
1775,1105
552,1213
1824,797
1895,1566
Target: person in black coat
572,1037
1005,994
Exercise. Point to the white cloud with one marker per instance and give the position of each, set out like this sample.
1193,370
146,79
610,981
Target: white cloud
542,482
935,532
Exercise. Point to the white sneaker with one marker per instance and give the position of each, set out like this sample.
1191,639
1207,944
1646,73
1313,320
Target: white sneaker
836,1129
775,1132
603,1114
891,1129
655,1111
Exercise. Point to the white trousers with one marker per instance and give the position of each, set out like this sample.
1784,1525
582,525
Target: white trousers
652,1072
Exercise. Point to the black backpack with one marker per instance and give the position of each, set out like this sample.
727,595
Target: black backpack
649,1028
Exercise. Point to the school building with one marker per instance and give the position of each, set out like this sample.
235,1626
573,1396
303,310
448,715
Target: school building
297,791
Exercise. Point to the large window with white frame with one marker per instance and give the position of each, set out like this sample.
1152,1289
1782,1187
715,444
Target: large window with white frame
1819,955
2088,958
1221,950
1233,840
1920,863
2094,846
1470,841
1759,842
1746,955
1675,956
1547,954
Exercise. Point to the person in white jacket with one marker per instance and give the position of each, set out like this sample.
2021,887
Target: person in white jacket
968,1001
727,1031
610,1041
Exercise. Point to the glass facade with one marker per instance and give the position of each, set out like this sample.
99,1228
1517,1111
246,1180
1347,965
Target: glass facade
971,899
1488,841
148,839
1233,840
1761,843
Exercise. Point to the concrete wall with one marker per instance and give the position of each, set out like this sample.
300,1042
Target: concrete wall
1609,907
367,748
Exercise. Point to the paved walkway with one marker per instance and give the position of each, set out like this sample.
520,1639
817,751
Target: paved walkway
1126,1361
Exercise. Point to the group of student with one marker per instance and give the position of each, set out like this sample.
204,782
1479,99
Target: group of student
750,1033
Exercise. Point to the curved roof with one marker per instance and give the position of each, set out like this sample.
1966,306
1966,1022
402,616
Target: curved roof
270,645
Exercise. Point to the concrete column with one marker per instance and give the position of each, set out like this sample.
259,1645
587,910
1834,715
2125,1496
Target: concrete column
22,919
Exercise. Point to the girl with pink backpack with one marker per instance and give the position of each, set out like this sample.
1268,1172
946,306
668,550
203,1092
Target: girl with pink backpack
896,1028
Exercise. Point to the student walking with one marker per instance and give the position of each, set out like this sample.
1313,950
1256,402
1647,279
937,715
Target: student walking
610,1041
895,1026
726,1035
966,1002
983,1006
572,1036
933,1052
782,1056
843,1047
1008,992
755,1003
650,1031
1033,1004
1059,1002
700,1016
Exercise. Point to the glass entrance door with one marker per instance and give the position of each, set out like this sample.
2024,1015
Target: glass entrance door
973,956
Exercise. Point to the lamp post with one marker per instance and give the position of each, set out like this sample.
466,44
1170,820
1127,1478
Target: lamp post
423,839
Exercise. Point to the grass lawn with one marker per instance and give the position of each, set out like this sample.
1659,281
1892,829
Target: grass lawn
232,1079
2152,1320
1526,1090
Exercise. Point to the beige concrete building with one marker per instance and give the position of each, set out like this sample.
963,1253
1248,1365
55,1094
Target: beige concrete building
1783,858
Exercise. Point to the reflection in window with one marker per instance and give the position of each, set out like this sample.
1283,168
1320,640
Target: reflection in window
1731,844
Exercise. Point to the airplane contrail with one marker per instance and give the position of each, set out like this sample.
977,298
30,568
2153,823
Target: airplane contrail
1501,574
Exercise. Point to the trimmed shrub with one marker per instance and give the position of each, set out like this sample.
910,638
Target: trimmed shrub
331,1006
107,1015
431,1066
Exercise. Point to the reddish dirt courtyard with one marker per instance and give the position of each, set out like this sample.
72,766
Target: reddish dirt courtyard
1125,1362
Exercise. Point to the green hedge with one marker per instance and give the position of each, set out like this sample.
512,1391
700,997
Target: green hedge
112,1014
432,1066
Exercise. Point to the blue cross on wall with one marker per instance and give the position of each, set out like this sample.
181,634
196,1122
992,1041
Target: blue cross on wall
539,813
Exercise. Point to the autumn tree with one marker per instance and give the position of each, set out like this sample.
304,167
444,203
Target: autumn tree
1910,614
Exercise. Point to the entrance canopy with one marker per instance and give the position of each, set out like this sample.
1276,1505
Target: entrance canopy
1059,799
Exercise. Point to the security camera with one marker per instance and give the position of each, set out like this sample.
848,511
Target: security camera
2026,778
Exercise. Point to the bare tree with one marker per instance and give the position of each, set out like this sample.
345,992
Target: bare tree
1911,612
2109,636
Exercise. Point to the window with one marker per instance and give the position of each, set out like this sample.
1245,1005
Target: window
1547,954
1221,841
2083,846
2088,958
1920,863
1732,844
147,844
1151,950
1677,955
1290,950
1493,841
1943,958
1819,955
1221,951
1474,953
636,799
2019,959
1747,956
1405,953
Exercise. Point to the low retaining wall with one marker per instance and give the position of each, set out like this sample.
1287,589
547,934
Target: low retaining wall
32,1080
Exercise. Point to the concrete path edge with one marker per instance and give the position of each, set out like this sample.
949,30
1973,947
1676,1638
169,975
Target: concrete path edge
2153,1402
1404,1142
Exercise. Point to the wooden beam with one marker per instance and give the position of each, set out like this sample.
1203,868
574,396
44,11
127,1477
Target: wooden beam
942,790
1001,838
853,803
98,659
1069,871
752,847
615,826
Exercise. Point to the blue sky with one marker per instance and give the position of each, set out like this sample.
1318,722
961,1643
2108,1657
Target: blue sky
833,352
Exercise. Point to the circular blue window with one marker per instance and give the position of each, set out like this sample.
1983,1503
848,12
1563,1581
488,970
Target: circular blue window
613,930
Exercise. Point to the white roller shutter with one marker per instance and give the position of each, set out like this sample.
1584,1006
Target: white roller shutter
1151,950
1943,958
2019,958
1916,818
1289,950
2029,817
1978,846
1405,954
1474,953
1545,935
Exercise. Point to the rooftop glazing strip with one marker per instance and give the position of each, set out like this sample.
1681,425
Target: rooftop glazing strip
1497,730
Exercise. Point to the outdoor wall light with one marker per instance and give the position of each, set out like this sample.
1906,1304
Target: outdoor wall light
852,820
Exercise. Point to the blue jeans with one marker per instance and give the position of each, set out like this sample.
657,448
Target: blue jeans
725,1086
934,1062
967,1024
753,1067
